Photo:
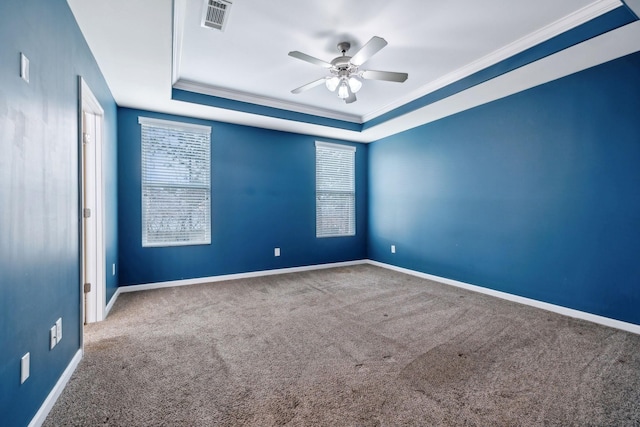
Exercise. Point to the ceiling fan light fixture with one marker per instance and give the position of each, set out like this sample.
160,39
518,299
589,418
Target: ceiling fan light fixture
345,74
332,83
355,84
343,90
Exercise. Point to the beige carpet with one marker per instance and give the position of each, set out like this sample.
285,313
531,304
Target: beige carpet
355,346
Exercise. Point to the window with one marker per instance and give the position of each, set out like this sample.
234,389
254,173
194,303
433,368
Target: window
176,184
335,190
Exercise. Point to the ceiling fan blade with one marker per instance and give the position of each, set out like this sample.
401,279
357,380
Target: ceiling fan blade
368,50
310,59
388,76
309,85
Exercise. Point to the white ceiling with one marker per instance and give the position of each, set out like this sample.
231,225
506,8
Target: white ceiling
143,47
426,39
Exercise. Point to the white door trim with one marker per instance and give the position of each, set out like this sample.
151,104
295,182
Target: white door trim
97,296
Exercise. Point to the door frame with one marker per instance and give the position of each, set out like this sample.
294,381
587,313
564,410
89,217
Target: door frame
97,296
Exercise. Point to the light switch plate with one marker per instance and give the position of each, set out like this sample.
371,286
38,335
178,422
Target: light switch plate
24,367
52,337
24,67
276,252
58,330
393,249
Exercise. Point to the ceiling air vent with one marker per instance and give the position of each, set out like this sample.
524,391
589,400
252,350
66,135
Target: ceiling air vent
216,14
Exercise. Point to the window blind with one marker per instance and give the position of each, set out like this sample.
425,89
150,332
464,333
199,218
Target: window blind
176,184
335,190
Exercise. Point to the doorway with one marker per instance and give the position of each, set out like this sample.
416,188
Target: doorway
92,196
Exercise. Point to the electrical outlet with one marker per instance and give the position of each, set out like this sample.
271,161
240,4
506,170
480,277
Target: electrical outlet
393,249
24,367
52,337
58,330
113,269
276,252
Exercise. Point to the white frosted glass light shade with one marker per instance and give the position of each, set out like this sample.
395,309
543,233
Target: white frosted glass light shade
355,84
332,83
343,90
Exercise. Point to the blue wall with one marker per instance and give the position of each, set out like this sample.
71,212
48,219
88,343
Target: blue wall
39,209
535,194
263,196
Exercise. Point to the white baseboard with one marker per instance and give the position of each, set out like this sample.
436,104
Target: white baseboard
606,321
48,403
111,302
261,273
44,410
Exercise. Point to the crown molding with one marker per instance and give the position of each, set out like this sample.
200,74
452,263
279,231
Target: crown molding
595,51
179,10
575,19
235,95
192,86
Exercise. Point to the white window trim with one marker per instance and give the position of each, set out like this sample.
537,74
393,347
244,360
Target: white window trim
342,147
335,146
185,127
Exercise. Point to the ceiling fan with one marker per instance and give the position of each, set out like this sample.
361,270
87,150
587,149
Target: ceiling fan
345,74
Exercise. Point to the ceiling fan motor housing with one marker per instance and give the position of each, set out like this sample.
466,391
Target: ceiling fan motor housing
344,47
342,66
